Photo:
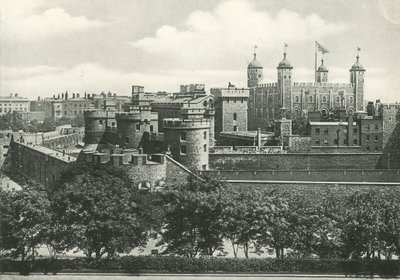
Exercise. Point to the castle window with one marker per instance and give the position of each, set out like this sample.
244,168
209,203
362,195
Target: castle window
335,142
183,136
376,138
151,128
183,149
376,148
205,103
376,127
367,127
204,166
113,124
355,142
296,99
351,99
367,137
317,131
310,99
234,116
324,99
325,131
137,127
367,148
205,148
126,140
235,128
205,135
345,141
317,142
326,142
355,130
101,122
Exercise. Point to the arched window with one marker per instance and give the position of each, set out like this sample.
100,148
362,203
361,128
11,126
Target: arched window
324,99
296,99
205,103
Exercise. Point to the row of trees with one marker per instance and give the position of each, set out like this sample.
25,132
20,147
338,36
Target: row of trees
13,121
99,212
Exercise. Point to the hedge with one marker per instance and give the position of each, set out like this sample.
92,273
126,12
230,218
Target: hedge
170,264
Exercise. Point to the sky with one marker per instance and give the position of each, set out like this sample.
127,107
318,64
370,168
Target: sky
53,46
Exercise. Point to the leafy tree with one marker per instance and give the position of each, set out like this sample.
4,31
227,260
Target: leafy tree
12,121
24,219
99,211
193,218
246,216
300,125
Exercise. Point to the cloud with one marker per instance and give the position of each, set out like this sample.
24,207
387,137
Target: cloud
212,38
24,22
92,77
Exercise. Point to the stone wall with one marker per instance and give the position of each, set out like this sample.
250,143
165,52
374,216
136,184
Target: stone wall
371,175
298,144
39,163
292,161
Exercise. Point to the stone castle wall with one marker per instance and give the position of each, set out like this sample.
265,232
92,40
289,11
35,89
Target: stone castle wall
39,163
371,175
294,161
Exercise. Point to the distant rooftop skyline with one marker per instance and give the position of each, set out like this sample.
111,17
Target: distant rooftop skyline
49,47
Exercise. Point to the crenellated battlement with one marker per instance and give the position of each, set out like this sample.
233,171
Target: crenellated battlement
323,85
392,106
128,116
122,159
186,123
99,114
268,85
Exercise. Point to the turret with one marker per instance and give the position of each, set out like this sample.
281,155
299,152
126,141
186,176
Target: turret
188,141
322,73
254,72
357,80
285,82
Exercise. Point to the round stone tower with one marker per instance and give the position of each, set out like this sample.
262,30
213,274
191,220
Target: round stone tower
188,141
322,73
96,123
254,72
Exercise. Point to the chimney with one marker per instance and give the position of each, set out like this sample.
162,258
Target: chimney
109,94
85,95
66,95
38,98
58,96
77,95
73,95
54,96
16,95
62,95
115,95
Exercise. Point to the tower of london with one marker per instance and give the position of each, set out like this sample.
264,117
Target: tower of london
299,98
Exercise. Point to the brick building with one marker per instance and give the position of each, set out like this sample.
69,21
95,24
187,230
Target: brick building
358,130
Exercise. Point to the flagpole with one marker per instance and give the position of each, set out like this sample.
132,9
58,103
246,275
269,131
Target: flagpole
315,61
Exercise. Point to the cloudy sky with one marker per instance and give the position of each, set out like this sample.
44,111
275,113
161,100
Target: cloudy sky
50,46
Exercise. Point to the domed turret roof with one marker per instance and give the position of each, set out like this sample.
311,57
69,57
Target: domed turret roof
255,63
284,63
322,68
357,65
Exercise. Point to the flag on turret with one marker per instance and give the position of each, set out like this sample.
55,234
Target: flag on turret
321,48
